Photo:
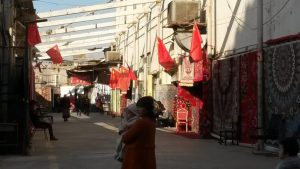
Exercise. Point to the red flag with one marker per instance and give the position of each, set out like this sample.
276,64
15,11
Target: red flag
196,50
114,77
132,75
164,58
124,79
54,54
33,35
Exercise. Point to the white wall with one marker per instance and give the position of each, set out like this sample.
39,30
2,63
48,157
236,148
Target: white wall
133,43
236,25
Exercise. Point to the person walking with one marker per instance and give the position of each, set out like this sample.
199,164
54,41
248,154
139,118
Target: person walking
86,105
139,138
65,102
129,117
289,149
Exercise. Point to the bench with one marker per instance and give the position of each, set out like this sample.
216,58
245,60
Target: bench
40,129
9,134
46,118
230,132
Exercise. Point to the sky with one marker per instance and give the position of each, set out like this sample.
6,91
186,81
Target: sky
50,5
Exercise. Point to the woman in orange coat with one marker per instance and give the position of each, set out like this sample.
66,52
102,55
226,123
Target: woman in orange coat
139,139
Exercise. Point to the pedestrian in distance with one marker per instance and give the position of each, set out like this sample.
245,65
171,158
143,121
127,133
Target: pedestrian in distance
289,149
65,102
86,105
78,105
139,139
99,103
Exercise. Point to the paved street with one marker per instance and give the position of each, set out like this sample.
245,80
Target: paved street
88,143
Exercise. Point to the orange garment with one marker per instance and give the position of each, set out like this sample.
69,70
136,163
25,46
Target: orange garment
139,148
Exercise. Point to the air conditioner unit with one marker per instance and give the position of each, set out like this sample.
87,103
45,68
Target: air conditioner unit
112,56
182,12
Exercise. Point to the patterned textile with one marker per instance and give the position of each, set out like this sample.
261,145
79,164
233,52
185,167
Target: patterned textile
206,111
198,71
166,94
282,87
187,73
226,92
248,95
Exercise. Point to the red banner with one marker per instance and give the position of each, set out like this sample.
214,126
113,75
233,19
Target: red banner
81,80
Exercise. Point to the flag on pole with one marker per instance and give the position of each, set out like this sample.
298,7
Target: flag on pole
55,55
33,35
196,49
114,77
164,58
132,75
124,79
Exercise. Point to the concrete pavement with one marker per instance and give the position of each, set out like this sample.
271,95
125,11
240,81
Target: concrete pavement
89,143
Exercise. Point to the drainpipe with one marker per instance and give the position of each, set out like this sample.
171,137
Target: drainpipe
260,115
215,27
146,67
209,28
135,62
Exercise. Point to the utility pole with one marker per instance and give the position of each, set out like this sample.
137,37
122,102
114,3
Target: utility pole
260,32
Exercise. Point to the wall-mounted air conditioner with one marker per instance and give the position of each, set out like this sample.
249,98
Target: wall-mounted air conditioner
182,12
111,56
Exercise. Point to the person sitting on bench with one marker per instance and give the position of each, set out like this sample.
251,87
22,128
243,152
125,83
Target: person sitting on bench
37,122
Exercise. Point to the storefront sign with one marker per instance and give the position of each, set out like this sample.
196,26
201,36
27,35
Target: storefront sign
81,80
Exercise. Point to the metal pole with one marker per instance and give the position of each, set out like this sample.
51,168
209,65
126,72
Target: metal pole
260,114
26,96
215,27
146,68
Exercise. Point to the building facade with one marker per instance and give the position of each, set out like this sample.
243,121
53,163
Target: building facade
244,88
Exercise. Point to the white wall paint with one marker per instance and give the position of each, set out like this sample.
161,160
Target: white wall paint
239,30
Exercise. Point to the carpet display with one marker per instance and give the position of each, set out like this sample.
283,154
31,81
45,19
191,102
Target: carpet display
248,96
225,93
282,88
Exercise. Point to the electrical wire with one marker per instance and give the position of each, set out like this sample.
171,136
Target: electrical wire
64,4
283,6
238,20
54,3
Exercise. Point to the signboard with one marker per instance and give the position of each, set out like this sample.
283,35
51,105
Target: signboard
84,80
